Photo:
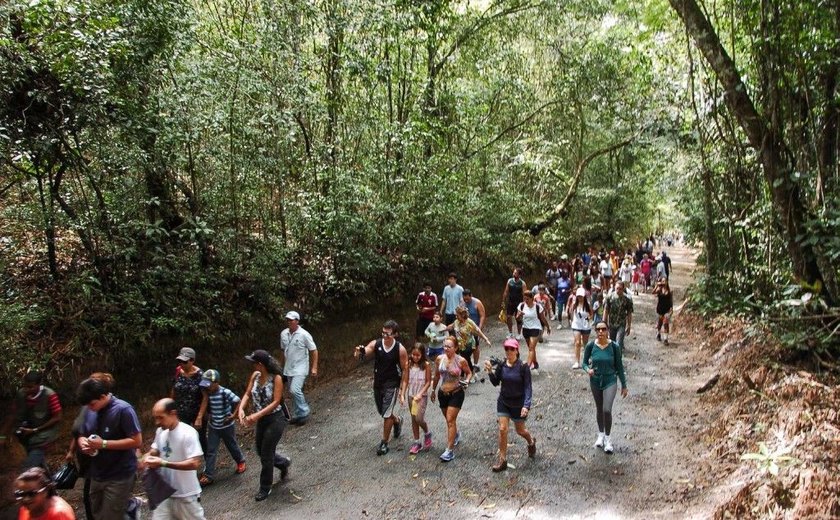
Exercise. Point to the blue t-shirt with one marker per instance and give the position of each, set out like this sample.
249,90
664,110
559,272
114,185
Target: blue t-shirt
117,420
454,296
516,384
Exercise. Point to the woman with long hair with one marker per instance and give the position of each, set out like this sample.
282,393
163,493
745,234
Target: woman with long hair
664,309
581,313
186,391
265,395
453,372
534,321
602,361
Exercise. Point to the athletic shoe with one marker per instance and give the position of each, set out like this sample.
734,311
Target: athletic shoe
665,341
205,481
532,448
576,366
658,337
457,439
240,468
383,448
262,495
510,334
427,441
536,365
415,448
599,443
398,427
447,455
519,336
608,447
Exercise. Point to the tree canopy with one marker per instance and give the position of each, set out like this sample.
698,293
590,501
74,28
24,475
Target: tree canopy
175,167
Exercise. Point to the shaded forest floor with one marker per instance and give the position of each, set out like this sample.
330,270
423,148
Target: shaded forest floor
678,453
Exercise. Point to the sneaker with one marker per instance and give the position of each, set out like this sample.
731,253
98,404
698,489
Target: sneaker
383,448
665,341
509,335
427,441
576,366
240,468
205,481
519,336
415,448
599,443
536,365
447,455
532,448
398,427
658,337
457,439
608,447
262,495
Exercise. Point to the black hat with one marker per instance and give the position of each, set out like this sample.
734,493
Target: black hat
259,356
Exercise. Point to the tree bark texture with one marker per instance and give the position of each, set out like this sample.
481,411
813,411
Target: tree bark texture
773,154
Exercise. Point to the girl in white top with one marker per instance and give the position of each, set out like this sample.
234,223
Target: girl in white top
581,322
532,315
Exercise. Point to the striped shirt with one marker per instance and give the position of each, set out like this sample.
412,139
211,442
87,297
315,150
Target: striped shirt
221,404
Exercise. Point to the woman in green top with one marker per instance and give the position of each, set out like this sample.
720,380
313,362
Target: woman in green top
602,361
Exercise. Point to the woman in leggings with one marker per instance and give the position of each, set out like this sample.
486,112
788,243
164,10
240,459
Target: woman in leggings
265,395
602,361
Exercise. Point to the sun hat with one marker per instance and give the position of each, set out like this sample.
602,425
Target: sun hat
186,354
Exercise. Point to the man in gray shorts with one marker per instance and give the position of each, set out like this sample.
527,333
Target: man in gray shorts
390,377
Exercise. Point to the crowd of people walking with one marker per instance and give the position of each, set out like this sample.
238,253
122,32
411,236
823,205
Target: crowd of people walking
592,290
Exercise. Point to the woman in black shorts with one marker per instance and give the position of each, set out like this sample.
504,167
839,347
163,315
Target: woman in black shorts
454,373
514,401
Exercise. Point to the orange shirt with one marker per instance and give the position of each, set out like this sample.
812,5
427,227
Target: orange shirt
59,509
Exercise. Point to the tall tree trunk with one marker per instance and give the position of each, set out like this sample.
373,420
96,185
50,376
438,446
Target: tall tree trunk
773,154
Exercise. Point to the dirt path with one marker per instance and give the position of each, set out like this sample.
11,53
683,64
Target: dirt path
336,473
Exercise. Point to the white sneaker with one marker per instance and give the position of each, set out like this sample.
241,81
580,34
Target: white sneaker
599,443
519,336
576,366
510,334
608,447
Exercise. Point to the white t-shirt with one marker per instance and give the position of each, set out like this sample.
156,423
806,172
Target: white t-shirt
530,316
176,445
580,319
606,268
626,272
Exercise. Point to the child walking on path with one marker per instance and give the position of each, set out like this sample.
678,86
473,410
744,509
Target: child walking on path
223,406
419,381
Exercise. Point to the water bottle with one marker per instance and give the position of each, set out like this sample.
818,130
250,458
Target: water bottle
91,438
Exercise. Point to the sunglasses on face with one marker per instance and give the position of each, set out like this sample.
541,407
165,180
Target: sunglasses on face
30,493
387,334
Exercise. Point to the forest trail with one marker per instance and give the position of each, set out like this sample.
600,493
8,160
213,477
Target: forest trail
336,473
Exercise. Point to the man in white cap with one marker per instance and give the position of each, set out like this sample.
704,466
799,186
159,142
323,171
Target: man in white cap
298,346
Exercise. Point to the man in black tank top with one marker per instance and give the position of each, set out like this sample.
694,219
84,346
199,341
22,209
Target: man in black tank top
390,377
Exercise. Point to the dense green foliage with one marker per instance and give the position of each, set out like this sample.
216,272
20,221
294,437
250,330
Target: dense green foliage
787,56
182,168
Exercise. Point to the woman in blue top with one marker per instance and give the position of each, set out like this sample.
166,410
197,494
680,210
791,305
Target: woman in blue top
514,401
265,394
602,361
